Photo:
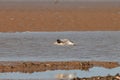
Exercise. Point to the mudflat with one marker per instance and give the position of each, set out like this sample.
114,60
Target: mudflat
20,16
37,66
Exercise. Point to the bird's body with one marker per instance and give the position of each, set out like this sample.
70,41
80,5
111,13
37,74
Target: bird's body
63,42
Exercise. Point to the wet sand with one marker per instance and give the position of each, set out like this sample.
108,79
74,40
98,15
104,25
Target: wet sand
31,66
109,77
61,16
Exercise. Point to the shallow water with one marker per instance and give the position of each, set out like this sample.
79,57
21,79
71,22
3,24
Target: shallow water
38,46
50,75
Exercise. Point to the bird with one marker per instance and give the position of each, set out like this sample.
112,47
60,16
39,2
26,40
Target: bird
63,42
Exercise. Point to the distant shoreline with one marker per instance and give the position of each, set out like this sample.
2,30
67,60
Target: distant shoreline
59,3
36,16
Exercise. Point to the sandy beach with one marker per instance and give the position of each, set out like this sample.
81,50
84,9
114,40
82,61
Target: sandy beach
37,66
62,16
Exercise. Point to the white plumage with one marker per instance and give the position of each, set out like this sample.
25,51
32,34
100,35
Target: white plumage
63,42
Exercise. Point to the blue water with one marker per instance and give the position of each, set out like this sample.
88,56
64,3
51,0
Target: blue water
38,46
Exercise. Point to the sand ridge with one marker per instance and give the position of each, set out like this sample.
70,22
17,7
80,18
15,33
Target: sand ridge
36,66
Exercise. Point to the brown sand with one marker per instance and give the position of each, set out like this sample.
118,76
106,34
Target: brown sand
6,66
49,16
109,77
30,67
